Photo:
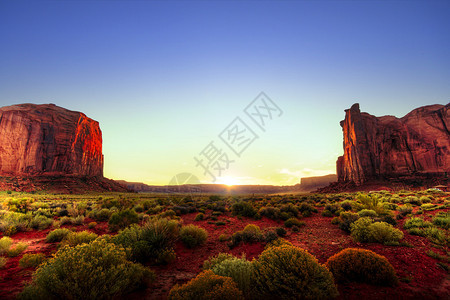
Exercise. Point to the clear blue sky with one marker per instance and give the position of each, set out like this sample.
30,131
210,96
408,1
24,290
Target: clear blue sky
165,78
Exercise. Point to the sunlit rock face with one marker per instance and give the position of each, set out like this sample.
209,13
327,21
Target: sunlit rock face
49,140
387,147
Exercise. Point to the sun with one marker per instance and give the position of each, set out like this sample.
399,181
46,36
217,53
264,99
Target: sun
228,180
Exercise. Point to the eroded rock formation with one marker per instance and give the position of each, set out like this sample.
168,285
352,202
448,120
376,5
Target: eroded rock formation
49,140
387,147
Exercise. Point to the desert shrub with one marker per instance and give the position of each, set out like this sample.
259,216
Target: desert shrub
207,286
363,266
76,238
223,237
5,243
307,209
239,269
280,231
98,270
404,210
122,219
293,221
346,205
425,199
92,225
199,217
367,213
365,230
270,212
244,209
214,260
193,236
12,222
40,222
270,235
152,241
333,208
388,218
57,235
102,215
346,219
168,214
31,260
278,242
327,213
382,232
17,249
416,223
442,220
65,220
371,201
250,234
166,256
360,230
3,261
78,220
413,200
290,210
287,272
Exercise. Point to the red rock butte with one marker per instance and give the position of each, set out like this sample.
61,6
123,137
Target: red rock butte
388,147
49,140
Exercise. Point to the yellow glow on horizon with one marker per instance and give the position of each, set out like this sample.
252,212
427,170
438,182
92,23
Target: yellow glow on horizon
227,180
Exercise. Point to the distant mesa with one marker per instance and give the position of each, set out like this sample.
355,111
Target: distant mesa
387,147
49,140
315,182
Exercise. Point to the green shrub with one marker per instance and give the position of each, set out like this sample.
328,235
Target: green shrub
193,236
360,230
346,219
382,232
3,261
404,210
152,241
102,215
239,269
207,286
367,213
278,242
287,272
31,260
40,222
17,249
214,260
166,256
223,237
76,238
270,212
293,222
363,266
250,234
371,201
280,231
98,270
244,209
199,217
416,223
122,219
5,243
78,220
57,235
442,220
365,230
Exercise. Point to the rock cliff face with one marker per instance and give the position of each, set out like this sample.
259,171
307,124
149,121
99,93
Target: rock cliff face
387,147
49,140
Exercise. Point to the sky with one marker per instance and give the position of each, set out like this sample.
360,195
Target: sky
167,79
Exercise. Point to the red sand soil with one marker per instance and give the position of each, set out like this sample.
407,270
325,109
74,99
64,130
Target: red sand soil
421,277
